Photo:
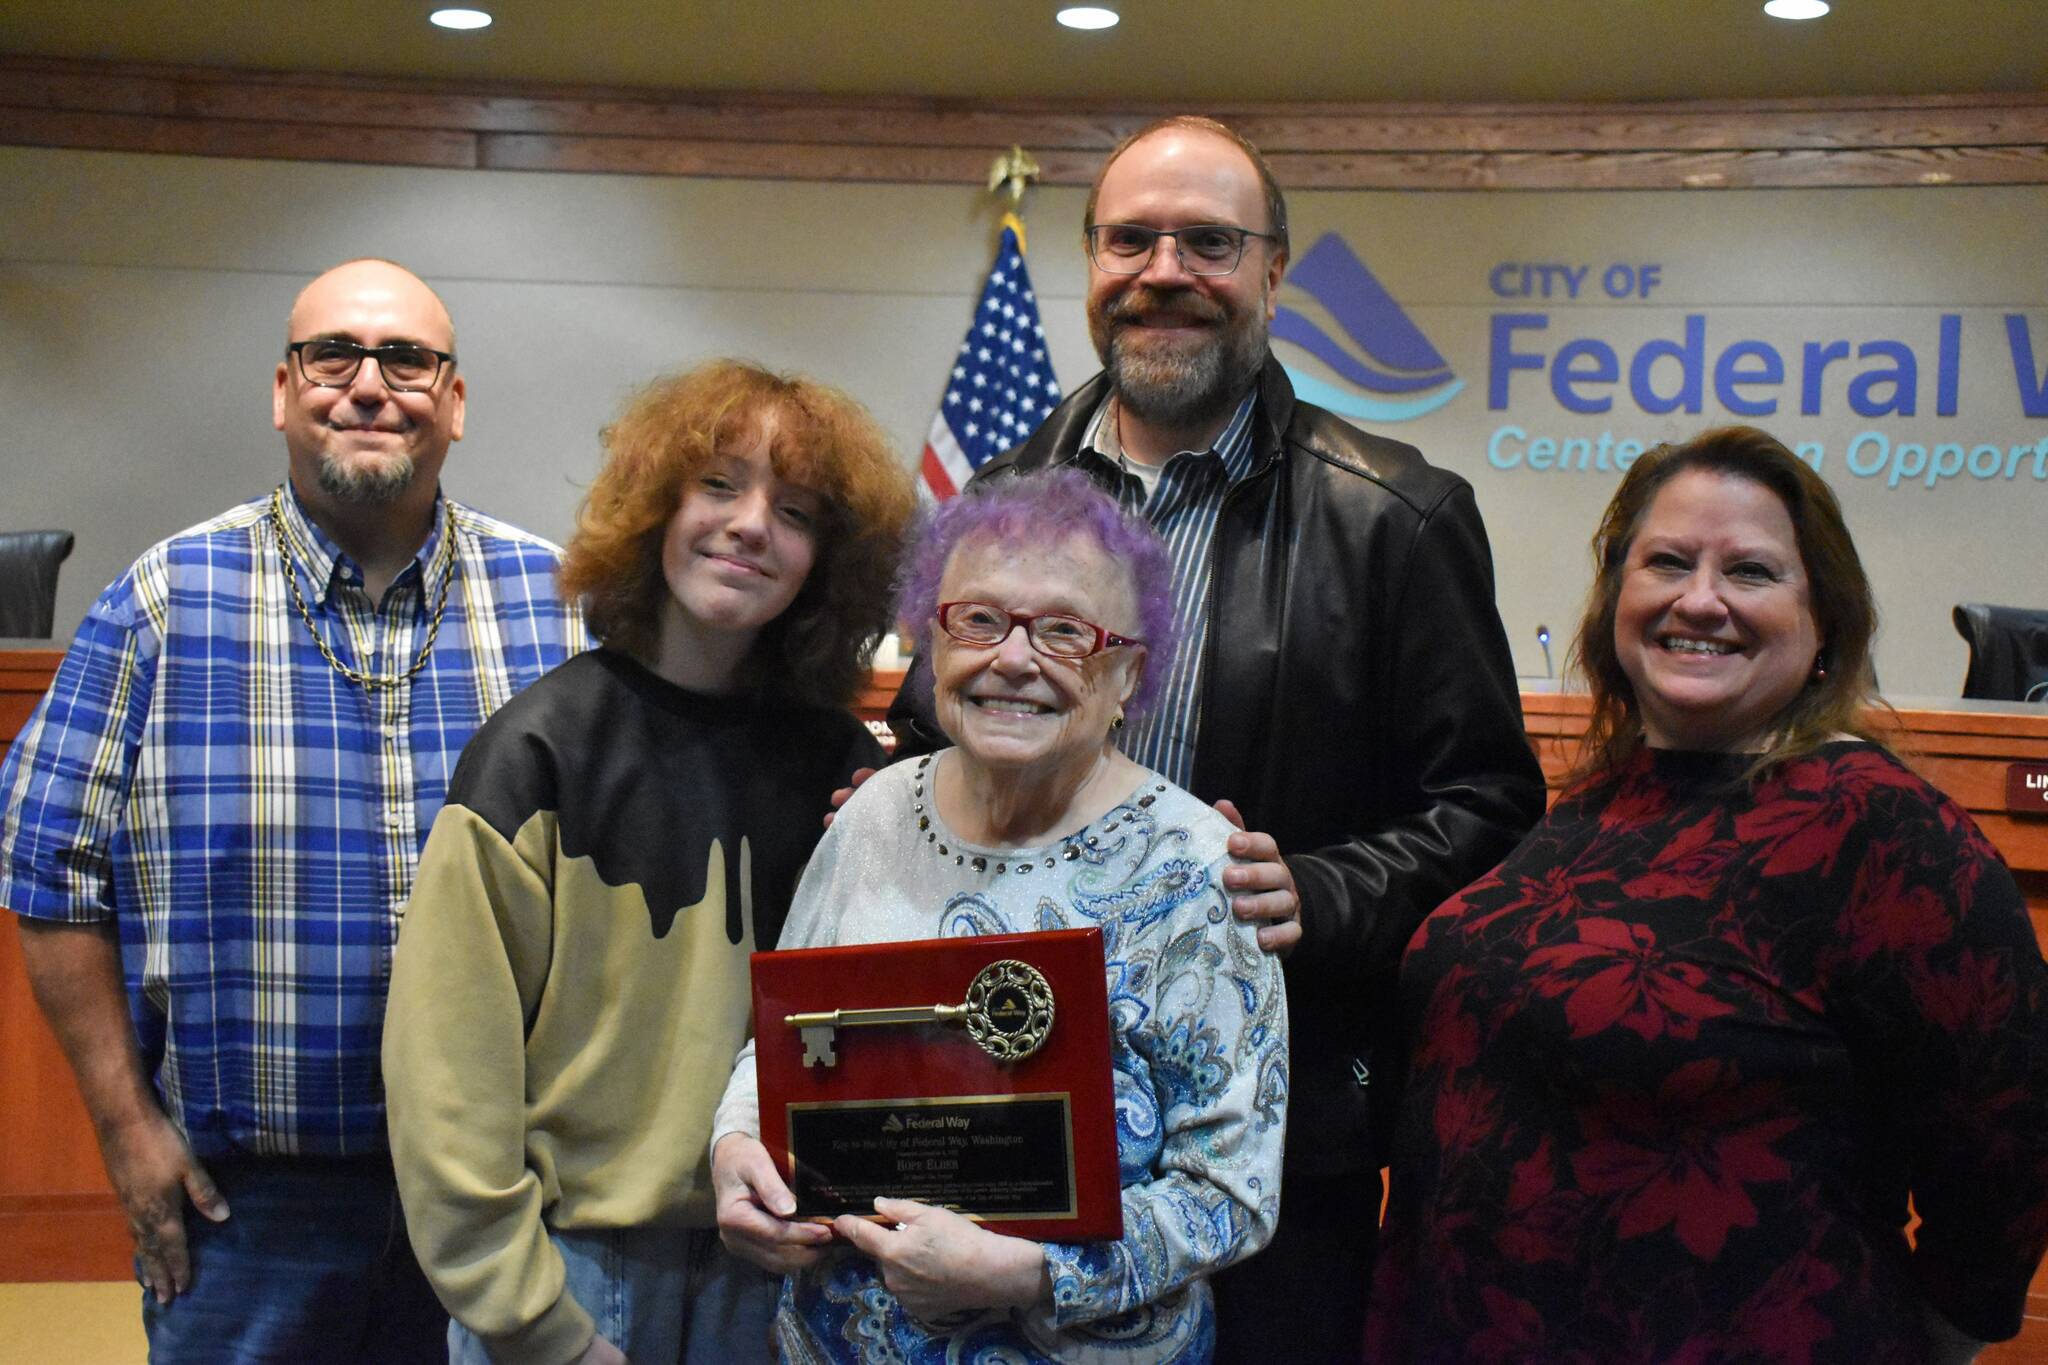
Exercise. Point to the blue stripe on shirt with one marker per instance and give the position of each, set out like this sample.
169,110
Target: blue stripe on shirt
1184,508
249,819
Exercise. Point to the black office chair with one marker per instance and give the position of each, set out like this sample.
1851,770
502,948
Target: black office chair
28,581
2008,652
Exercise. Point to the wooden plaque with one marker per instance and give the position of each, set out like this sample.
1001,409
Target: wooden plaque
999,1106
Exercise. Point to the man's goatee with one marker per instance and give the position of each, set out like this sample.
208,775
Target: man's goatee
370,486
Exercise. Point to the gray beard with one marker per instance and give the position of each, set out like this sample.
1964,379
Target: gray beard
1186,390
373,487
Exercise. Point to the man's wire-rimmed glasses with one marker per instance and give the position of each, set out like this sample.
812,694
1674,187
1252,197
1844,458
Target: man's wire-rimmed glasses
1203,248
1051,633
332,362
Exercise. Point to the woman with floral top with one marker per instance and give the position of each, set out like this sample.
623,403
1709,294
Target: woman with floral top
1679,1061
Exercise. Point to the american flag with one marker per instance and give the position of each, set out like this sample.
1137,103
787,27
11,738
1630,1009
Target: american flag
1002,384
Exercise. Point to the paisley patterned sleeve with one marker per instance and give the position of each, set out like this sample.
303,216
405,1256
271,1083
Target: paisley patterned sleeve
1199,1018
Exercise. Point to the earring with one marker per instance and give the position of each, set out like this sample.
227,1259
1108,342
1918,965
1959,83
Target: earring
1118,723
1820,667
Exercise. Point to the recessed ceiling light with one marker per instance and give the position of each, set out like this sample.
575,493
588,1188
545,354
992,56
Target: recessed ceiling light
1795,9
1087,16
476,18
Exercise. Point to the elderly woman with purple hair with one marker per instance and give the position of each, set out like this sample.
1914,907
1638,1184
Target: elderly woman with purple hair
1049,619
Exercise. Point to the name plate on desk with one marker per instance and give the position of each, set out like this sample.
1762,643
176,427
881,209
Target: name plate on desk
967,1072
2026,788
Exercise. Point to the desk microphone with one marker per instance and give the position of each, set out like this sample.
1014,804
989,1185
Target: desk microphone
1543,638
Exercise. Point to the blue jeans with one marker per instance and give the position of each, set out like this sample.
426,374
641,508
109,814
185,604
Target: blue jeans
664,1296
312,1266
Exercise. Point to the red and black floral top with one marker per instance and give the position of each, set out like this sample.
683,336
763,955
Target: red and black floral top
1678,1062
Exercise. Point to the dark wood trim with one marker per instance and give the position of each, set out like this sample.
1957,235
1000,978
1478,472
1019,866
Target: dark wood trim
59,1219
1964,753
1999,139
55,1238
24,676
102,132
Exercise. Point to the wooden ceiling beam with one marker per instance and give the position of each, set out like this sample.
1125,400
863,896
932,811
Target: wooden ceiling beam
1916,140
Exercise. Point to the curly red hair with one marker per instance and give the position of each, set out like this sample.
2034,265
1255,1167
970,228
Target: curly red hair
819,649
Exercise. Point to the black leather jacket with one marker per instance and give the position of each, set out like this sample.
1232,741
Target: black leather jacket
1358,703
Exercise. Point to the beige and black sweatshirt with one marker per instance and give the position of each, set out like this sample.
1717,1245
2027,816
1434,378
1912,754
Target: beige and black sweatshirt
570,983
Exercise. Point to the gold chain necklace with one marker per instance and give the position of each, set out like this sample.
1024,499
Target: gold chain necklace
369,682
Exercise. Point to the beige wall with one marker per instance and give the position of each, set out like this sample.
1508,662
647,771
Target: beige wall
142,302
143,298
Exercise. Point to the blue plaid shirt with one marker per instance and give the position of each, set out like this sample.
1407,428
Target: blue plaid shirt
1183,508
250,819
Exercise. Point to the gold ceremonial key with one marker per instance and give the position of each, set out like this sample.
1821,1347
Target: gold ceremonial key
1008,1012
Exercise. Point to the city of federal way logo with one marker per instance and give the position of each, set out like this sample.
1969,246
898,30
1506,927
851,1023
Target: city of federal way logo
1344,317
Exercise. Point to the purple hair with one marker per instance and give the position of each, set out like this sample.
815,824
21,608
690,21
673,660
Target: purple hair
1045,509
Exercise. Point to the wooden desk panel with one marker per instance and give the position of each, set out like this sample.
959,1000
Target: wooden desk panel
24,676
58,1217
59,1221
873,701
1962,752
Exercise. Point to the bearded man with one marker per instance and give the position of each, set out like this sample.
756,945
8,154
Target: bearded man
1344,681
210,824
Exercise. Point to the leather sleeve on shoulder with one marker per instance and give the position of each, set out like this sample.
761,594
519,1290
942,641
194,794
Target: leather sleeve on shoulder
1474,786
1003,466
1396,466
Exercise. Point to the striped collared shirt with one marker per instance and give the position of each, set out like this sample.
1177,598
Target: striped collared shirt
251,820
1183,508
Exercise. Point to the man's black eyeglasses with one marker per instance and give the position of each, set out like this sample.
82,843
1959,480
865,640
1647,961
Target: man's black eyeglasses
1204,248
332,362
